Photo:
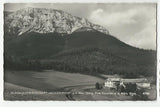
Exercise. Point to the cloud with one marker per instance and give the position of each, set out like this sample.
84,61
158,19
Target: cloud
110,19
132,25
146,38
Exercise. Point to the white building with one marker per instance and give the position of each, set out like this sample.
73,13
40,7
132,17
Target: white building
112,82
144,85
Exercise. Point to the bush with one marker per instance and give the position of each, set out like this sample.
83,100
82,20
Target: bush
99,86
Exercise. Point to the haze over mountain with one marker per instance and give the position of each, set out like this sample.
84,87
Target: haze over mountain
58,40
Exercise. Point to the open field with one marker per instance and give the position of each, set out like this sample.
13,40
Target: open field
49,81
11,89
52,80
45,83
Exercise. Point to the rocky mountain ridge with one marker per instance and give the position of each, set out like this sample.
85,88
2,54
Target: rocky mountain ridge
42,20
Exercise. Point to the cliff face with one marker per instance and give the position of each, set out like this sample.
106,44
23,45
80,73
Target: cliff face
43,20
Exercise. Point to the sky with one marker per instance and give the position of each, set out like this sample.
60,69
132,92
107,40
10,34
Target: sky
134,23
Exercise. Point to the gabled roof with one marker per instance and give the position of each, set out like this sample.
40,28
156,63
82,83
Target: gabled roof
113,79
135,80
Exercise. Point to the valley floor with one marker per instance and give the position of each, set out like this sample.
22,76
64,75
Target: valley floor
54,85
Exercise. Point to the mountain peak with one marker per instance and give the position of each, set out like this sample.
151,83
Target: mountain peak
43,20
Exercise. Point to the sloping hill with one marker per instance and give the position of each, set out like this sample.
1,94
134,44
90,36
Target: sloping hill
89,52
93,61
110,44
35,45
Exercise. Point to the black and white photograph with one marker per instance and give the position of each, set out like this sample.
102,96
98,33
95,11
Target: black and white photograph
80,51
